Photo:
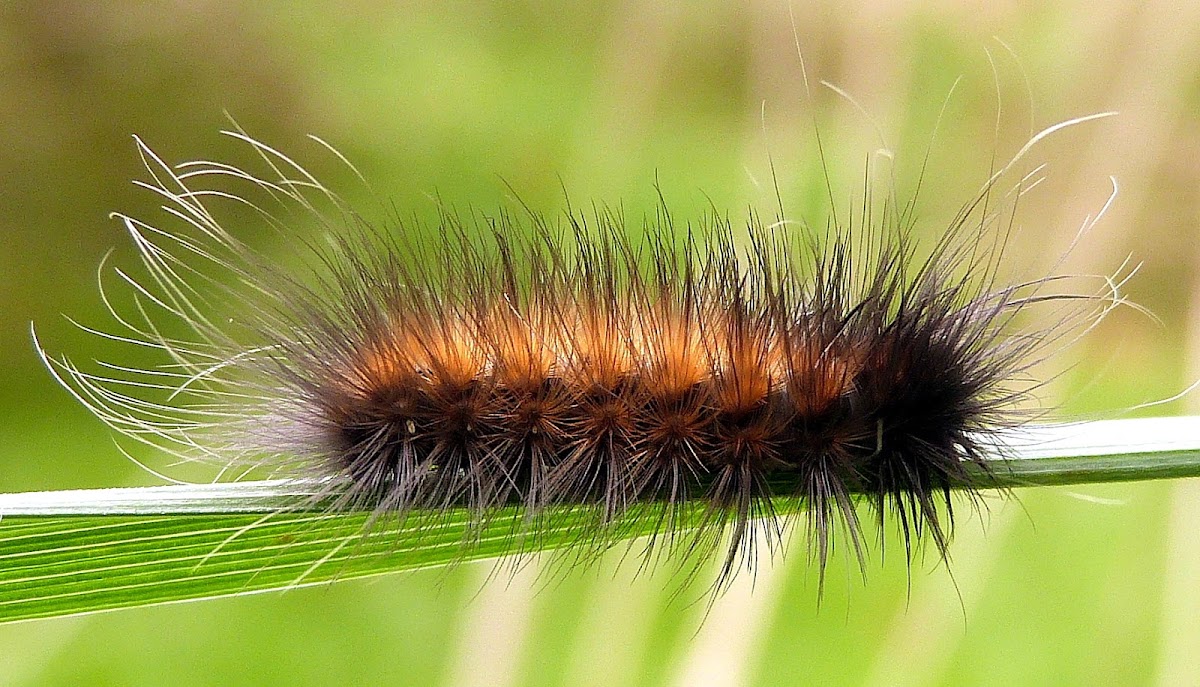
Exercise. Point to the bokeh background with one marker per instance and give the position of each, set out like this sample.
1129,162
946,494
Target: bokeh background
1097,585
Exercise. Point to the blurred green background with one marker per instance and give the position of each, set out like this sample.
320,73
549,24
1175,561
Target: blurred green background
1069,586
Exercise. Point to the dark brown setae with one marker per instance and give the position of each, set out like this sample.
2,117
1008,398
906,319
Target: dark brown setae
537,363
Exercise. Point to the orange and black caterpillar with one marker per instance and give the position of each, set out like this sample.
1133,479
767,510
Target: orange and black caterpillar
520,360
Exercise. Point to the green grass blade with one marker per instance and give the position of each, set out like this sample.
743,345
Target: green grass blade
72,564
73,552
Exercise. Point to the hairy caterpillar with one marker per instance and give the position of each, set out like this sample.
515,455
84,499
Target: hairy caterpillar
520,360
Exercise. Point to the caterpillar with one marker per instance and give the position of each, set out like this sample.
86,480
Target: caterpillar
519,360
